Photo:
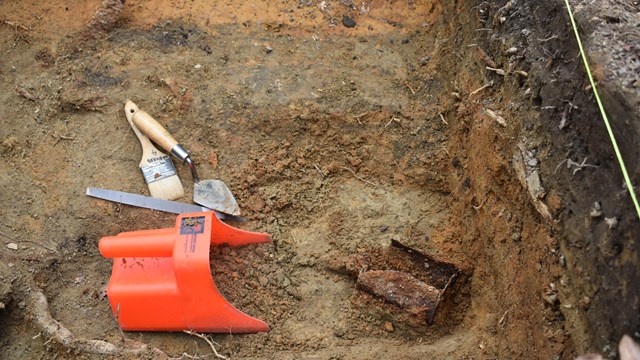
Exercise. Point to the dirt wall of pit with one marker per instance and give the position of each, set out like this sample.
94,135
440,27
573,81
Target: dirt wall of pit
600,281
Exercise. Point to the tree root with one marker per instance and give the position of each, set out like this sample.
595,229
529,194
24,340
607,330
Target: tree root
38,307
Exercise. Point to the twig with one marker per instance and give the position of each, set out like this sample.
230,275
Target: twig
410,88
357,117
358,177
319,171
503,319
15,25
490,84
392,120
499,119
548,39
558,167
497,71
441,294
27,241
25,94
442,118
208,342
477,208
579,166
38,307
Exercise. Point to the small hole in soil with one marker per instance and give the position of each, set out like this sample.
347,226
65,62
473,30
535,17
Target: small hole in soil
132,111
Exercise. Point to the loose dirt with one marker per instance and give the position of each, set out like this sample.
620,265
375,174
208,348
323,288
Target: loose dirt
335,140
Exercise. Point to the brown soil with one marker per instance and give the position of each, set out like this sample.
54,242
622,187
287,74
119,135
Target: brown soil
335,140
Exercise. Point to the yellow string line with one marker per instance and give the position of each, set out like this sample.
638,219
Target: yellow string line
604,114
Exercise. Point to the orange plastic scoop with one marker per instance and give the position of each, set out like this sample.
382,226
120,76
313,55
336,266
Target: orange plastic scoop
161,279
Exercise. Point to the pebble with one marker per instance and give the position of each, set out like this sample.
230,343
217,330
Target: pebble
263,280
197,66
348,22
339,332
596,210
611,222
388,326
383,228
12,246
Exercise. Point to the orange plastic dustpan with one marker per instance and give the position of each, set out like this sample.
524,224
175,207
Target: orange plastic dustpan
161,279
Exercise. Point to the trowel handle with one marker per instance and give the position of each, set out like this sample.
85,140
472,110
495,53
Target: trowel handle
156,132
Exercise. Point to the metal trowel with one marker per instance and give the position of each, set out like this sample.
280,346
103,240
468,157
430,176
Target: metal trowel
213,194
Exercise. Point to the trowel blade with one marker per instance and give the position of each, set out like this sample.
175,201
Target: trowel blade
215,194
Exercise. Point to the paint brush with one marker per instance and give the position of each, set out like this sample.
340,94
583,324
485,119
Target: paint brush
157,168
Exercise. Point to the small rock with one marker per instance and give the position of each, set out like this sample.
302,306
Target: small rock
611,222
268,49
263,280
388,326
197,66
383,228
213,159
596,210
585,303
2,305
12,246
348,22
550,297
339,332
425,60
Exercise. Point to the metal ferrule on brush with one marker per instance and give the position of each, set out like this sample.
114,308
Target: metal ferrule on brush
183,155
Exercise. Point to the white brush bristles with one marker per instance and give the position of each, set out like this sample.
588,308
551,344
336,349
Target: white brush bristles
169,188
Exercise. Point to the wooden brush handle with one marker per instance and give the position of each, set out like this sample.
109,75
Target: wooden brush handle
147,147
156,132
